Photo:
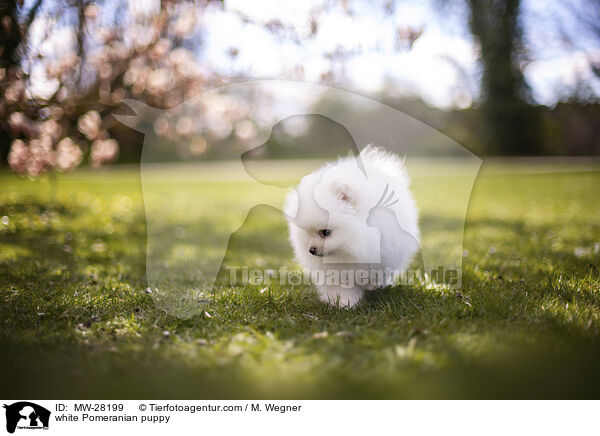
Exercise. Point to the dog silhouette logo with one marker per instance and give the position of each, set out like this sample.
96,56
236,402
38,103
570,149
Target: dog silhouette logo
381,215
26,415
188,182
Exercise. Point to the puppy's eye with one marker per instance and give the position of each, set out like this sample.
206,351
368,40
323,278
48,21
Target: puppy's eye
324,233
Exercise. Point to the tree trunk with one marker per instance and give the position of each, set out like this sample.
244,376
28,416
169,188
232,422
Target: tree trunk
511,125
10,39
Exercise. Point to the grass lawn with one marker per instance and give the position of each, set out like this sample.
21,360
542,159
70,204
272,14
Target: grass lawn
76,319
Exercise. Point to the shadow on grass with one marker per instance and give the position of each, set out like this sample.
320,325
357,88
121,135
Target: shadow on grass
520,249
412,344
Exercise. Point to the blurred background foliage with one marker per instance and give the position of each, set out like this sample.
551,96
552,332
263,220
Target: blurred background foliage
66,65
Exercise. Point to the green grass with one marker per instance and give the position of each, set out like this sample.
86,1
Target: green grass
76,319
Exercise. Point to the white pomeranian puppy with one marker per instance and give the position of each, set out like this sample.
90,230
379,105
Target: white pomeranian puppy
352,220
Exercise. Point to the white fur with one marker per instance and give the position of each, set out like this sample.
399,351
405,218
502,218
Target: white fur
341,197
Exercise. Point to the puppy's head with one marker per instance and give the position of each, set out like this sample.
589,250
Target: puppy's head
330,214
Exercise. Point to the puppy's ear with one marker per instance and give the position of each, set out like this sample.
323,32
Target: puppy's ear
290,209
347,198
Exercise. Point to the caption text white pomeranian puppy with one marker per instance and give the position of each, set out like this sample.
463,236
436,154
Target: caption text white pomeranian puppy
353,216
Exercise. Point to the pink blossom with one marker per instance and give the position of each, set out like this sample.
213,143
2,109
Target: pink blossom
18,156
68,155
104,150
89,124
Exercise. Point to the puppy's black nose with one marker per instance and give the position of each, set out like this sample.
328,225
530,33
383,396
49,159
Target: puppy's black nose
312,250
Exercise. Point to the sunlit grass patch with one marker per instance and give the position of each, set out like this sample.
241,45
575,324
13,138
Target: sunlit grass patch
77,317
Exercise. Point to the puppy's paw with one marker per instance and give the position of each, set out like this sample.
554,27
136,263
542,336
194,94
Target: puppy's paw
343,298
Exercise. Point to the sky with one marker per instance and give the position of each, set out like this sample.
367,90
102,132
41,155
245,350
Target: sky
423,71
441,67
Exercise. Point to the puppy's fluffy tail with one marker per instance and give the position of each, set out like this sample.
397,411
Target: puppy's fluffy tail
390,163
